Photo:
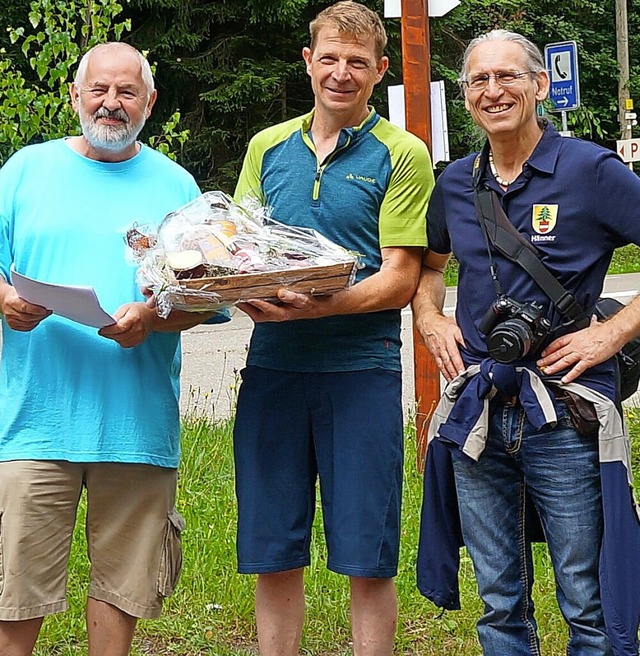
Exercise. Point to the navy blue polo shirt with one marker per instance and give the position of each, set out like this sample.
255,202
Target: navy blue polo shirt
575,201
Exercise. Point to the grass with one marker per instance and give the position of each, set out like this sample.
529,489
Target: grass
625,260
212,611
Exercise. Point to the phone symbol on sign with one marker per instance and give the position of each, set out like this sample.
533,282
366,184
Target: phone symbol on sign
556,64
561,68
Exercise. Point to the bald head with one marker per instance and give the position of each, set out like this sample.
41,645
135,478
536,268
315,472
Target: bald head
115,46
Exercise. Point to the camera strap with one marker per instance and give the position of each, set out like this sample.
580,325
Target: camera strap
502,234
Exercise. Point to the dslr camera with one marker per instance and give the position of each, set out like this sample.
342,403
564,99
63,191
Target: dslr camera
513,329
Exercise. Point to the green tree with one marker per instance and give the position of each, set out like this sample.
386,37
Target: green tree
233,68
37,67
545,214
62,30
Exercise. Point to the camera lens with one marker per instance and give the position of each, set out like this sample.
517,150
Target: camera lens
509,341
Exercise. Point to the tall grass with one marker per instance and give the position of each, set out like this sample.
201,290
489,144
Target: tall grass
212,611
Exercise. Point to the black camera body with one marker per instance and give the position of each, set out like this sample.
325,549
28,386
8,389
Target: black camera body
514,329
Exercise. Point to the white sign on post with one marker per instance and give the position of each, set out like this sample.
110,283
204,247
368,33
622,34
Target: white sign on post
629,150
439,126
395,95
437,8
392,8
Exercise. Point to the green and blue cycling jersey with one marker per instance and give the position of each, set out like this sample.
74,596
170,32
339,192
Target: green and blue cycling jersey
370,193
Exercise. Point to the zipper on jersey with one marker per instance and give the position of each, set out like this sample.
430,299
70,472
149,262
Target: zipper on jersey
320,170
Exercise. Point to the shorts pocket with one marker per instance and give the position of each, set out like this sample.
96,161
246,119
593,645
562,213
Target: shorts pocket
171,557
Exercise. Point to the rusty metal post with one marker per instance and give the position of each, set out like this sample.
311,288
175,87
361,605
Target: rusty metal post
416,74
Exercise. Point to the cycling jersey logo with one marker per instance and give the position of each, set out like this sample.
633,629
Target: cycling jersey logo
544,218
360,178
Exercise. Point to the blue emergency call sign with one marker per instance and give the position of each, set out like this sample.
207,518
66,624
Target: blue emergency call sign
562,65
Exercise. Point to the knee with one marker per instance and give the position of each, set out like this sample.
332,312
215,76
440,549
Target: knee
287,579
19,637
369,587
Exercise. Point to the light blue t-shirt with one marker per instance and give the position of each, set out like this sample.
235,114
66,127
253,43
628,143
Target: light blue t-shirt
65,392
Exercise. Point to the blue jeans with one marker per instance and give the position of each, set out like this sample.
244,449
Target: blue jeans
559,470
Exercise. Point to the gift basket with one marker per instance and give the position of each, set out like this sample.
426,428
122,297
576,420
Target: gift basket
214,251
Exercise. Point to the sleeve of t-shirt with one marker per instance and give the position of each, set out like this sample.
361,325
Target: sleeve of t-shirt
249,183
618,198
437,234
402,220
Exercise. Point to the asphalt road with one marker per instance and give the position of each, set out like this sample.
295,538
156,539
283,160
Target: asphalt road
213,355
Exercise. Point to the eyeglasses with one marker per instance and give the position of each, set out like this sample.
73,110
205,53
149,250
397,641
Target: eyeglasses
507,79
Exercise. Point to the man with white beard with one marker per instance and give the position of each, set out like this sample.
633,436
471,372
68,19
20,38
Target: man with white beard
80,407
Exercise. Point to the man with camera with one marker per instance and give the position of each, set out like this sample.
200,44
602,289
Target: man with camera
528,434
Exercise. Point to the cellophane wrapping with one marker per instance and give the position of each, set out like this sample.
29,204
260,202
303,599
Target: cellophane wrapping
213,239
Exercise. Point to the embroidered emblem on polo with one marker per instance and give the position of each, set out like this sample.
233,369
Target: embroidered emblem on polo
360,178
544,218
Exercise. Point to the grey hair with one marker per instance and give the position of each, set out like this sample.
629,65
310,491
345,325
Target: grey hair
145,68
535,61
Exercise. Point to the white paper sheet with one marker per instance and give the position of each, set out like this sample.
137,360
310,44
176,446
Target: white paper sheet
80,304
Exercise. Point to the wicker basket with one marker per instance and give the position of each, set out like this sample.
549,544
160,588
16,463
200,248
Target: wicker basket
264,285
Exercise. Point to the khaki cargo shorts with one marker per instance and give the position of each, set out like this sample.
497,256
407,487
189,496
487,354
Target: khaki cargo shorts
133,535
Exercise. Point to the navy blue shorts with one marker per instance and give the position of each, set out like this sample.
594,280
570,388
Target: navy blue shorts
344,428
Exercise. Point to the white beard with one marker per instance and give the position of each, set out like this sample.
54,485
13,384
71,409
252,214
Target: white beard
114,138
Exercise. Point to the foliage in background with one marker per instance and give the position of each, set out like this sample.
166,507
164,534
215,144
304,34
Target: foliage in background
34,103
227,66
39,61
589,22
234,67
